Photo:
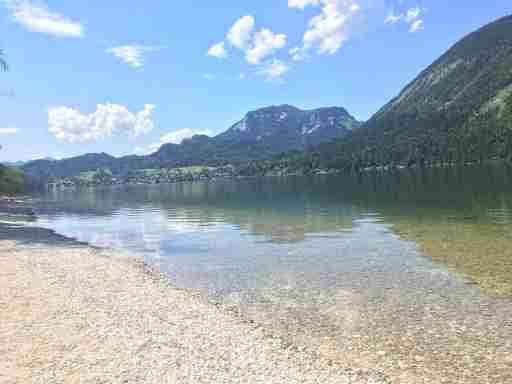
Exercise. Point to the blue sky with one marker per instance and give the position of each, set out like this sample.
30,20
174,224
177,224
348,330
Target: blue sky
125,76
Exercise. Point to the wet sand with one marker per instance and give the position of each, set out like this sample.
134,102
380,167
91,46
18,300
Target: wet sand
70,313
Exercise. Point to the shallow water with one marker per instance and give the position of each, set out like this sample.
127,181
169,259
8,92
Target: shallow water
375,270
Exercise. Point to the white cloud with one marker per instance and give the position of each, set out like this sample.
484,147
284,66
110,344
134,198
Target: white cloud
329,30
38,18
416,26
392,18
412,17
72,126
298,54
301,4
240,33
132,55
176,137
412,14
9,131
256,45
265,43
208,76
274,70
218,50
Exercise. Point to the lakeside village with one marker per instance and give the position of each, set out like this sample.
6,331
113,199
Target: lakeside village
104,177
143,176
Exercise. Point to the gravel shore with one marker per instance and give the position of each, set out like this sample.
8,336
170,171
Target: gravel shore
73,314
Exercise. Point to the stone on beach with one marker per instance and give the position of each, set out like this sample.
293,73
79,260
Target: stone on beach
76,314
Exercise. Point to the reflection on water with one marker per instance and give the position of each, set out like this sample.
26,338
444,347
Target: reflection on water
336,263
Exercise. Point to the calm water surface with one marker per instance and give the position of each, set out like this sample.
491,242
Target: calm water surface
376,270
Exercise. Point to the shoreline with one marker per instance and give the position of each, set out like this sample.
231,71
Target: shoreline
74,313
101,301
377,169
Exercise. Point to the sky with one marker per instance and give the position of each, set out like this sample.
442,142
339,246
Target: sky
124,77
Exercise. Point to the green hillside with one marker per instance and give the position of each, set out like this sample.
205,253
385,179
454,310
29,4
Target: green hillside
459,110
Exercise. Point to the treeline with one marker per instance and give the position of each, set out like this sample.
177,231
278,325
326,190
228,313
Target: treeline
422,140
12,181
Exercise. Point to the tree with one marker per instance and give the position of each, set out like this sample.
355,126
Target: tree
3,63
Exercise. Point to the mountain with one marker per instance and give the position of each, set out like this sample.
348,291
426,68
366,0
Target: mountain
459,109
15,164
285,127
261,134
20,163
45,168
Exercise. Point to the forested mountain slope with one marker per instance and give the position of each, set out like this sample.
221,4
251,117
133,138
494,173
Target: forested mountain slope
457,110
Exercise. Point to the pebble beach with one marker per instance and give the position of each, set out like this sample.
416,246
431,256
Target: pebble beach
71,313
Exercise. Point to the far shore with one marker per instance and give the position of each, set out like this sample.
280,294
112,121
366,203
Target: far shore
71,313
162,176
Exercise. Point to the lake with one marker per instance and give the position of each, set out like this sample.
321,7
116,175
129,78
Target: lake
408,272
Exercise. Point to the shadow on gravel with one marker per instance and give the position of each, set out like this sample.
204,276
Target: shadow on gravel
25,235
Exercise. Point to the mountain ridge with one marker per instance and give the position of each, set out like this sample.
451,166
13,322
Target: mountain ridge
266,132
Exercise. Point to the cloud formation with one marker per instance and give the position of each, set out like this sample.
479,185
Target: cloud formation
256,45
72,126
9,131
412,17
133,55
265,43
416,26
329,30
241,32
218,50
274,70
175,137
298,54
301,4
38,18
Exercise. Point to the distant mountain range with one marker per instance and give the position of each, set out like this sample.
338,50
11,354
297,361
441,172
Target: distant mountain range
19,164
261,134
458,110
15,164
